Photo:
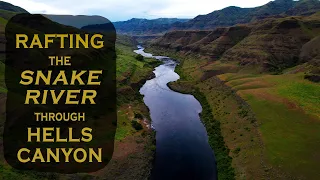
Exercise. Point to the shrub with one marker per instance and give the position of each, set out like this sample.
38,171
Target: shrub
138,116
216,141
237,150
243,113
136,125
313,78
139,57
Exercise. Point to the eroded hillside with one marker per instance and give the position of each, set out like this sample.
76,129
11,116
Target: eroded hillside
273,44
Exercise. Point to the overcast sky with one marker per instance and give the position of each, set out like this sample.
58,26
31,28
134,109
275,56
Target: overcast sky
118,10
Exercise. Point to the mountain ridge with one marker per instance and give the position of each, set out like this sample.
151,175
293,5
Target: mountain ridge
273,44
233,15
137,26
10,7
77,21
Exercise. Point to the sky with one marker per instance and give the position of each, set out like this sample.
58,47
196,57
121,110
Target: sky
120,10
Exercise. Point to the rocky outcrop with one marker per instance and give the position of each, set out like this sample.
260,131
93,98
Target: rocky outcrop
177,40
311,50
273,44
215,48
211,44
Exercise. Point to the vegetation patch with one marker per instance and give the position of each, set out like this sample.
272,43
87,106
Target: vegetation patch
136,125
216,141
287,134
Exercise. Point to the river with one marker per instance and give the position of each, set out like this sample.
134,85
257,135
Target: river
182,145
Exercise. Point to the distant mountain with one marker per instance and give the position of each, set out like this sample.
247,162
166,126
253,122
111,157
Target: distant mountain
144,26
235,15
98,27
9,7
305,7
77,21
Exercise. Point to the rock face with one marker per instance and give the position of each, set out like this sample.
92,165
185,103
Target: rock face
220,40
273,44
311,50
211,44
178,40
235,15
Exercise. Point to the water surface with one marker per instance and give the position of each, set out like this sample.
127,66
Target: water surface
182,151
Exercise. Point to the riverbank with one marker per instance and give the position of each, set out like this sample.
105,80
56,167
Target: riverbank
183,150
134,146
216,140
238,143
264,120
135,140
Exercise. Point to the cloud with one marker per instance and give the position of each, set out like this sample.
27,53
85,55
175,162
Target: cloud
38,7
125,9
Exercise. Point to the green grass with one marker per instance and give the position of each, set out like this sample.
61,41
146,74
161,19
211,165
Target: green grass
305,94
6,14
290,137
3,88
124,128
236,76
295,88
8,173
130,71
292,87
289,133
216,141
237,82
3,21
125,64
287,110
129,68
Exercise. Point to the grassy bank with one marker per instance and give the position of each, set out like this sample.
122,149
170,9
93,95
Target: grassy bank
287,109
134,147
269,122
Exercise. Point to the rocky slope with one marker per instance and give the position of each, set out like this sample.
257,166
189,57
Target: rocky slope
274,43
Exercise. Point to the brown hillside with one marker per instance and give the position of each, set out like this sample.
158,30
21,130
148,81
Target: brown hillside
274,44
179,39
311,50
211,44
219,44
